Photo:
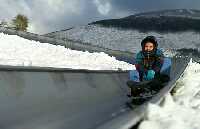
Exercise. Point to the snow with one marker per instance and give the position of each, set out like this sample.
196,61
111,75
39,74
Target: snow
127,40
180,111
18,51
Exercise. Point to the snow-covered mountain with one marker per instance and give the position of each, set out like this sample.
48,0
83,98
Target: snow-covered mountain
116,37
192,13
161,21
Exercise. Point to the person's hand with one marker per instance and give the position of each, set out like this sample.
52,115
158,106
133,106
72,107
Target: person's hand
150,74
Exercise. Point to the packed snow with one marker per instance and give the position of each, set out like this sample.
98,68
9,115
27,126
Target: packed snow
18,51
180,111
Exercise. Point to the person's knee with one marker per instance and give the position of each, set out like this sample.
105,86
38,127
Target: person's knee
162,77
134,75
131,83
165,78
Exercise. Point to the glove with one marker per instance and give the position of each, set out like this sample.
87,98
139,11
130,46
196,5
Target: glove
150,74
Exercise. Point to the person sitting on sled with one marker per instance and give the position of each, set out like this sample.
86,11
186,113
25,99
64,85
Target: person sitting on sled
149,62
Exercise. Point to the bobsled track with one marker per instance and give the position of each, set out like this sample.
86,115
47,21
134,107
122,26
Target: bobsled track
50,98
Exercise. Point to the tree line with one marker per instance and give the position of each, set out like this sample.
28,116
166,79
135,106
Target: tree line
19,22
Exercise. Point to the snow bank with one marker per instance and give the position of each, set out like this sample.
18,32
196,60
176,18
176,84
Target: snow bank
182,111
18,51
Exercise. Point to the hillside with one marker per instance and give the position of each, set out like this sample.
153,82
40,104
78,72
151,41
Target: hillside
161,21
127,38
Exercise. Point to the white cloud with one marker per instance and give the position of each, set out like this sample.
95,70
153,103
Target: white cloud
10,8
42,14
47,13
104,7
51,15
64,6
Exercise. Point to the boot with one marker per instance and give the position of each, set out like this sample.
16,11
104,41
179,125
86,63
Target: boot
131,83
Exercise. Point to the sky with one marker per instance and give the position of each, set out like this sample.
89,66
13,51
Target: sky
53,15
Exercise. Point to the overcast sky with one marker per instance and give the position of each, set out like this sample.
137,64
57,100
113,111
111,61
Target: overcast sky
53,15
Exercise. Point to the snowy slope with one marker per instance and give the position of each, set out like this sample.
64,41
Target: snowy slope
128,39
15,50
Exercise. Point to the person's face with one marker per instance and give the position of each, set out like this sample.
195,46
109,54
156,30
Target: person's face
148,46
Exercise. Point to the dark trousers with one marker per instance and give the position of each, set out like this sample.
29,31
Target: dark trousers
156,84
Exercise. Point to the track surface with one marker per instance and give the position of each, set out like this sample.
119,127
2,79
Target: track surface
48,98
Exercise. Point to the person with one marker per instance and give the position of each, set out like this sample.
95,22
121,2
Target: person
149,62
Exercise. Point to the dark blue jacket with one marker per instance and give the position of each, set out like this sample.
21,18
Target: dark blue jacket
154,62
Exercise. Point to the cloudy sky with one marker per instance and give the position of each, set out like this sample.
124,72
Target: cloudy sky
53,15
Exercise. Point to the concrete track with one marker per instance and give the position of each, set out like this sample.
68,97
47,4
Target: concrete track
49,98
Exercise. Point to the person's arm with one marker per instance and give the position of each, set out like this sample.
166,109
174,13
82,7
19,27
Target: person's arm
159,61
138,62
139,65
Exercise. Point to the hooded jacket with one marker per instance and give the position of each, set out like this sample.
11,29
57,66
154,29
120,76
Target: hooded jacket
154,61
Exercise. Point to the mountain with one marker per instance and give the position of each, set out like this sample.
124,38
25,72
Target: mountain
175,29
161,21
